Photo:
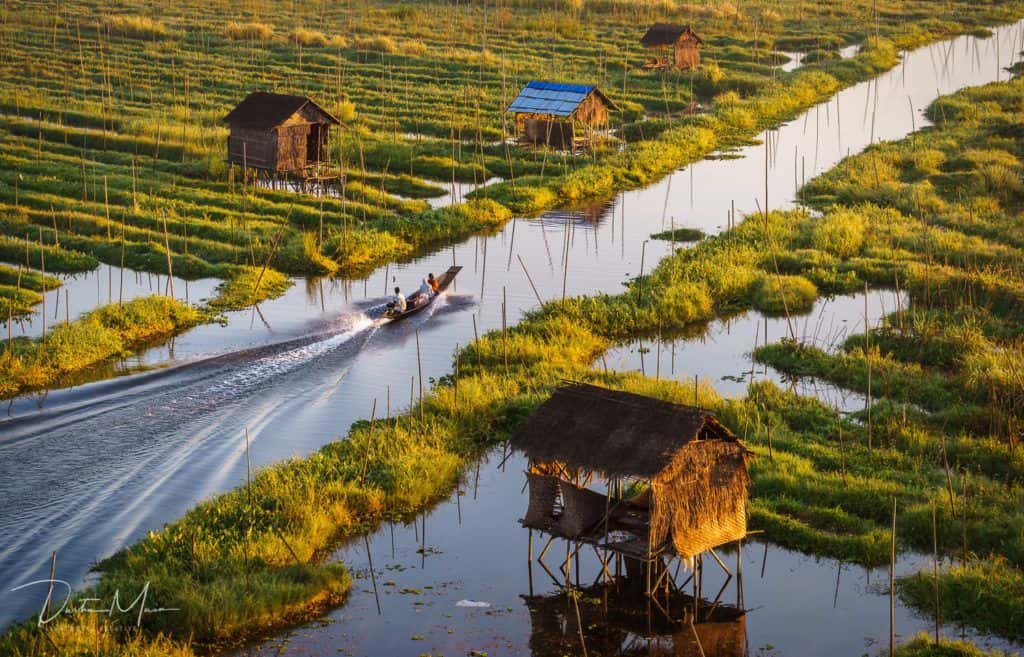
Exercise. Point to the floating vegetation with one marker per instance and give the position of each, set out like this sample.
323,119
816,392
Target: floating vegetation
680,235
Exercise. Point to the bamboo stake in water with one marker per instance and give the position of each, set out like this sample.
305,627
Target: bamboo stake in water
867,358
892,583
120,294
369,439
49,590
42,268
248,467
963,515
170,268
530,279
412,400
373,575
458,356
565,264
504,328
419,365
640,279
842,447
935,567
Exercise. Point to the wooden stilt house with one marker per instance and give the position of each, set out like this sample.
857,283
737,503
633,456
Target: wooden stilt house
673,46
279,133
562,116
687,471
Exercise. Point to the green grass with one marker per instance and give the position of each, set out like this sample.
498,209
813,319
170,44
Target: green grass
986,594
924,646
118,156
105,333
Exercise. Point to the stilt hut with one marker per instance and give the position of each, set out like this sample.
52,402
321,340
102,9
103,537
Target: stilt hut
674,46
279,133
562,116
675,478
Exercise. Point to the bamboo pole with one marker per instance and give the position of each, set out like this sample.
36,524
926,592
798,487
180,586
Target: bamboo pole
842,447
170,268
640,278
963,516
42,268
935,569
458,356
412,400
120,294
248,467
565,263
504,328
867,358
419,366
373,575
530,279
892,583
369,438
49,590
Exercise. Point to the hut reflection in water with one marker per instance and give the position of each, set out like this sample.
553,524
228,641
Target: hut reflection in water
615,621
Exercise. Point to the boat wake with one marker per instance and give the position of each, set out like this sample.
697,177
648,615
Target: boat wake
128,454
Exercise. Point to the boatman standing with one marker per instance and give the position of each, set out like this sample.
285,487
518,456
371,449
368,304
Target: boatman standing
426,289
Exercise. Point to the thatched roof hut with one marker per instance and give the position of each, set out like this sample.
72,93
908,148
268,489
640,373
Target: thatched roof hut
552,112
278,132
696,468
680,39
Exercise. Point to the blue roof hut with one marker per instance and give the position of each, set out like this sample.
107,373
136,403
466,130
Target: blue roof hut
562,116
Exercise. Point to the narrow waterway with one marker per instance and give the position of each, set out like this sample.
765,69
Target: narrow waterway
476,551
87,470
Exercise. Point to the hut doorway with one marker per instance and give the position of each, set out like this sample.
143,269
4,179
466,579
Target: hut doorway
315,145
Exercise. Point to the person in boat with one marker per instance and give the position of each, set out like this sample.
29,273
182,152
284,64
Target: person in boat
424,293
397,303
432,282
426,289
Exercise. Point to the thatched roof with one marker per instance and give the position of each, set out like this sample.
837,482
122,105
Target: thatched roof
665,34
617,433
262,109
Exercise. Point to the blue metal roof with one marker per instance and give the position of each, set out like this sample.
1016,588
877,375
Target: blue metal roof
550,98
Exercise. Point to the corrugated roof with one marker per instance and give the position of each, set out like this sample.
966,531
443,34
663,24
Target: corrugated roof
262,109
554,98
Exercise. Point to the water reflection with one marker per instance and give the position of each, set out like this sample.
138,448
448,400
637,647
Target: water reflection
721,352
617,618
80,293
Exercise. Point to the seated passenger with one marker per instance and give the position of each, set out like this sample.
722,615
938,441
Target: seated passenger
397,303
